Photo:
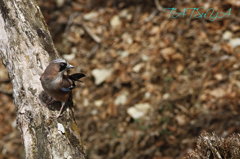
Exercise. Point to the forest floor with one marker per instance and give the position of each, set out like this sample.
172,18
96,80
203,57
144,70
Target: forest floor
153,83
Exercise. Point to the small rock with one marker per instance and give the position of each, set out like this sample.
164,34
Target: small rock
234,42
206,5
227,35
137,67
147,95
181,119
121,99
100,75
94,112
139,110
179,68
125,14
115,22
127,38
166,96
144,57
218,92
98,103
85,102
216,47
155,30
90,16
60,3
123,53
218,76
69,57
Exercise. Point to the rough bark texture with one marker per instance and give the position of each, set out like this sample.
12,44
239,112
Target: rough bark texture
25,48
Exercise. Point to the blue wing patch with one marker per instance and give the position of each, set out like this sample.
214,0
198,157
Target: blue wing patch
66,89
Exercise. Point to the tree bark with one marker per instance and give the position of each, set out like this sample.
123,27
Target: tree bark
25,48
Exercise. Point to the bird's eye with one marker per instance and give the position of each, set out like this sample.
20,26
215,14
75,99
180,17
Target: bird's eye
62,66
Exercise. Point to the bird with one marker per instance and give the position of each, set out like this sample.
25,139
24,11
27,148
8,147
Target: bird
57,83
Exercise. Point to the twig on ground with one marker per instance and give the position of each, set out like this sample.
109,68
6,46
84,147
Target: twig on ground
10,94
158,5
85,28
151,16
90,33
5,81
70,21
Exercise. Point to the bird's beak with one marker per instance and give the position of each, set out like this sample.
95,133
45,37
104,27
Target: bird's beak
70,66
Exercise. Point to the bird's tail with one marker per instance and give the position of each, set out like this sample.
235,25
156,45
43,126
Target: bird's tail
76,76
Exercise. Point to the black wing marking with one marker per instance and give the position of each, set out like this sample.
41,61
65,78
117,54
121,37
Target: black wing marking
76,76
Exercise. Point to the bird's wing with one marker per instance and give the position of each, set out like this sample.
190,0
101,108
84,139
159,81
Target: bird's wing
66,85
68,81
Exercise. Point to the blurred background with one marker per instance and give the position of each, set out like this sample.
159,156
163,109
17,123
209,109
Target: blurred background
153,84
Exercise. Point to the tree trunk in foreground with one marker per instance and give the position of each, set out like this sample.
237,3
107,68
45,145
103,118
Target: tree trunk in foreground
25,47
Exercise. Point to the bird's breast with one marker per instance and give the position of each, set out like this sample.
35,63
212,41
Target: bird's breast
53,88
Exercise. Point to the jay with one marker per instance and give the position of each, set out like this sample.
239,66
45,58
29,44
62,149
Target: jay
57,83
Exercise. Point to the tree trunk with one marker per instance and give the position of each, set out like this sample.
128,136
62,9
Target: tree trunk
25,48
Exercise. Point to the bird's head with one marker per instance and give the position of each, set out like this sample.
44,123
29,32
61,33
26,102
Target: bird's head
56,68
60,65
